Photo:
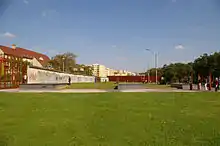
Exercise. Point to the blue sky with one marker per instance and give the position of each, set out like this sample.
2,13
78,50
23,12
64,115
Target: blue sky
114,32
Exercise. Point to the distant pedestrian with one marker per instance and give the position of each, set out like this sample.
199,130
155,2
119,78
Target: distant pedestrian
200,85
145,81
216,84
190,85
69,81
25,79
206,84
116,86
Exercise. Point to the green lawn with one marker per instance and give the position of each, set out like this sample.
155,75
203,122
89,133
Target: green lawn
108,85
111,85
109,119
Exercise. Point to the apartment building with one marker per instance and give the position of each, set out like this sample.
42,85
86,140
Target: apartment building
110,72
102,71
99,70
123,73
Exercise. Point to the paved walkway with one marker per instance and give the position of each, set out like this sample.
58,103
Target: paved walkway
93,90
157,90
54,91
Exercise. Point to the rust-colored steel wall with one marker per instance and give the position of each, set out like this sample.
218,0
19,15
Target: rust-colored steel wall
12,70
133,78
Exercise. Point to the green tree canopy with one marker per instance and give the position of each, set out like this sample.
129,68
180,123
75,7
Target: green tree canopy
203,66
67,62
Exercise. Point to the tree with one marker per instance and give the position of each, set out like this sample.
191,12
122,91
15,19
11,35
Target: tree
203,66
169,73
88,70
67,62
177,72
152,72
182,71
64,62
206,64
82,69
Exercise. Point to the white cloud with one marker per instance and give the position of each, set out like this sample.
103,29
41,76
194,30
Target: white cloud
26,1
179,47
8,35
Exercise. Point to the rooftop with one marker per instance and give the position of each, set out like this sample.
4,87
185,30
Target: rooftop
24,53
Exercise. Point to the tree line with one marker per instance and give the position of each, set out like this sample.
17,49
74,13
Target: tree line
201,68
66,62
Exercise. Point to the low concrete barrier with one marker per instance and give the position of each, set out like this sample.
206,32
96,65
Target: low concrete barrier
128,86
42,86
177,85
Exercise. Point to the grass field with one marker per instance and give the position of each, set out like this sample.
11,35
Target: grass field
110,85
109,119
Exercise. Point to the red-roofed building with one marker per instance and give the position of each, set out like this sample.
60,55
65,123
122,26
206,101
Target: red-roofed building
36,59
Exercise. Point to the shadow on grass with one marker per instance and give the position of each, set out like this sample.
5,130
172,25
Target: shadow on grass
4,140
212,141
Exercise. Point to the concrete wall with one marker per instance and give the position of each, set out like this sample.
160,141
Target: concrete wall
44,76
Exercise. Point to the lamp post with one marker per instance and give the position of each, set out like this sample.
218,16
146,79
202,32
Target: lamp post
156,60
63,63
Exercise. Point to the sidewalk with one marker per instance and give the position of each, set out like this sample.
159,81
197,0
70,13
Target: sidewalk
157,90
92,90
9,90
65,91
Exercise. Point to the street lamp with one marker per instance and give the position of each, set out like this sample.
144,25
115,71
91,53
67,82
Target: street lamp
63,63
156,61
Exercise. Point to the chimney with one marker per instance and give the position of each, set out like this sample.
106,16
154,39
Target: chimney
13,46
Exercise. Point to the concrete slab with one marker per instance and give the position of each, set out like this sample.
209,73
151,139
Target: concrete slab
9,90
131,86
155,90
64,91
83,91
